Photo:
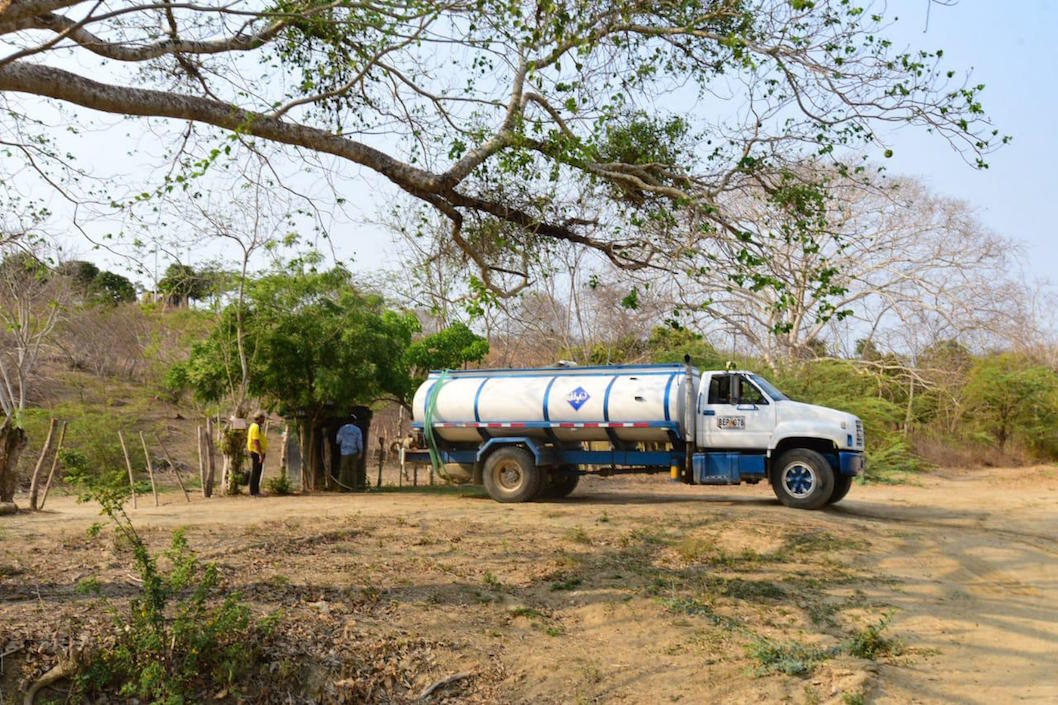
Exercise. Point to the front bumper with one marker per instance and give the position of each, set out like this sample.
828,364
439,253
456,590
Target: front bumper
851,462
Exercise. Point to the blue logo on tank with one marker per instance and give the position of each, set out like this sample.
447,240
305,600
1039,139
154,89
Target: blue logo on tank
578,398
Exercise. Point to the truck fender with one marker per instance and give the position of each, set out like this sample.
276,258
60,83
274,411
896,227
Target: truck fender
542,456
796,430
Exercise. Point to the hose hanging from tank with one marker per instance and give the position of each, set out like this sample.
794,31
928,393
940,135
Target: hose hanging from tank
431,439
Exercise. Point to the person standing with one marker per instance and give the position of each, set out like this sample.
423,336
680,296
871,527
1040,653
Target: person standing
351,445
257,444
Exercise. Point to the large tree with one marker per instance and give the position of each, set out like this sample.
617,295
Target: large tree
315,345
31,301
901,266
521,122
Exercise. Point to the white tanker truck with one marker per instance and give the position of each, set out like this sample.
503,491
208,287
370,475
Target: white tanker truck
530,433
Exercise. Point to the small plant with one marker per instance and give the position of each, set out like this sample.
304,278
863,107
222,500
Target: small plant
180,636
852,699
869,642
279,485
567,584
792,657
491,581
694,549
578,535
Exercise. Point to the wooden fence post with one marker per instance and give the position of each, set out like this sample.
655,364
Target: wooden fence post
34,483
54,464
128,464
201,461
283,450
210,461
150,468
381,458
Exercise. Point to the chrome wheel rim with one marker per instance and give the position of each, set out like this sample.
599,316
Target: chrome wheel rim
798,479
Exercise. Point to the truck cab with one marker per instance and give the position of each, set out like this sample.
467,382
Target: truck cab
747,430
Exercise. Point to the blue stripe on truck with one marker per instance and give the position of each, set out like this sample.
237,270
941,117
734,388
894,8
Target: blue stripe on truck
606,400
668,386
477,396
547,395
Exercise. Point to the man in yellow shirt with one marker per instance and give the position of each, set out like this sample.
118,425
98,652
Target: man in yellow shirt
257,444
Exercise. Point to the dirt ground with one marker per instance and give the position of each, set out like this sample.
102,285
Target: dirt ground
633,590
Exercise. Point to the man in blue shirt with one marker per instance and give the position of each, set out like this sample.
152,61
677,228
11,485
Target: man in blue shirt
352,474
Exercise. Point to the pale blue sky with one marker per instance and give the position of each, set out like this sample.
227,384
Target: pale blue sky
1012,48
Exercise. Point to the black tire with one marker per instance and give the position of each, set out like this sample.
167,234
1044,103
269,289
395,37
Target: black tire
511,475
842,484
560,482
802,479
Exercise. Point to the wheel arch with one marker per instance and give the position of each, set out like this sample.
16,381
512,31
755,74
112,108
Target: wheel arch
823,446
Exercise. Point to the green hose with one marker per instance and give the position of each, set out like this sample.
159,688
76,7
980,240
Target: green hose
431,439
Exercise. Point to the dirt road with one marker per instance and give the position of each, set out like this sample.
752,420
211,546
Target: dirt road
631,591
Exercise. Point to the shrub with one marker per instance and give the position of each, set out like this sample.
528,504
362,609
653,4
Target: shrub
869,643
180,638
279,485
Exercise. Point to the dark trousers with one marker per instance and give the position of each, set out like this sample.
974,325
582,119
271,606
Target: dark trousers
350,474
256,468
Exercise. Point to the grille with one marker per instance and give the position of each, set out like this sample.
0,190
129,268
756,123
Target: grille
859,433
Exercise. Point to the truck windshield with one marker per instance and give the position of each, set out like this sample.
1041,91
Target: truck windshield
769,388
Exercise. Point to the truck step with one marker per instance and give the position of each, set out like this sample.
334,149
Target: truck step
717,480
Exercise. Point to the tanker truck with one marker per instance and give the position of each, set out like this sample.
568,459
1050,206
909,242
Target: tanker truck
531,433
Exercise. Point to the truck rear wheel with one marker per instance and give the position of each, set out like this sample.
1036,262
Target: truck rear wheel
511,475
560,482
842,484
802,479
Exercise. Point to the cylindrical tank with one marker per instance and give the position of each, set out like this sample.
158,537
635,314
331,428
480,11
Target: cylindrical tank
568,404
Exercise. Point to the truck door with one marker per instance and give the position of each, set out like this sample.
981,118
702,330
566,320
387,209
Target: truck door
735,413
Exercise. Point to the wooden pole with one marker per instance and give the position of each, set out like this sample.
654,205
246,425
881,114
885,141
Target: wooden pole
381,458
283,451
176,470
150,469
211,466
128,464
201,461
34,483
54,464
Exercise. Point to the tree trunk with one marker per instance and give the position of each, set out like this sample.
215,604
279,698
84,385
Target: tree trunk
12,441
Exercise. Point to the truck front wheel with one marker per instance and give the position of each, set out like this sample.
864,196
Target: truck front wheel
802,479
510,475
842,483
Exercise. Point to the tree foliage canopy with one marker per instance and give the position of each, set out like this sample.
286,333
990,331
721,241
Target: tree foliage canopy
313,340
523,123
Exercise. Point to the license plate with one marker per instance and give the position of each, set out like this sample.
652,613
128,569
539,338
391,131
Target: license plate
731,423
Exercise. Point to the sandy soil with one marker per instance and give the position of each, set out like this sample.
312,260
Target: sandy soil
633,590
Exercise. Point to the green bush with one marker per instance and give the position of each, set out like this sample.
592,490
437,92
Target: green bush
279,485
870,643
1008,398
181,639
